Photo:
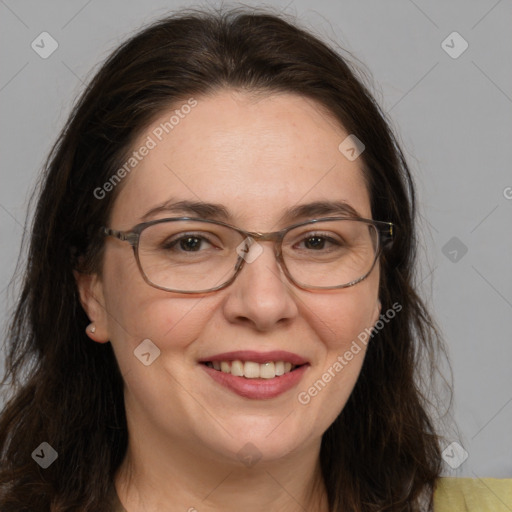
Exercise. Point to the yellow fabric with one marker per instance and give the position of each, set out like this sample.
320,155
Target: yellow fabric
451,495
473,495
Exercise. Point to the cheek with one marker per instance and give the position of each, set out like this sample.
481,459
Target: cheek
342,322
326,391
137,311
344,332
340,318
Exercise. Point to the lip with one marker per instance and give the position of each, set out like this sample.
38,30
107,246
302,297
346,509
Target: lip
256,389
257,357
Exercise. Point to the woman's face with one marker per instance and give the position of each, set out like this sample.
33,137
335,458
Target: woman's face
258,158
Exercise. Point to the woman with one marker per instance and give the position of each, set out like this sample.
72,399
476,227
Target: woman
210,366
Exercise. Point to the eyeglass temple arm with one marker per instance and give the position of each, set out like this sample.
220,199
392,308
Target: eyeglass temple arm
125,236
388,234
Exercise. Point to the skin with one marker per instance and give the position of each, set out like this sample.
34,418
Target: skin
257,156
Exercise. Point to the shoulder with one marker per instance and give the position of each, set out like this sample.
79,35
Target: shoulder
473,495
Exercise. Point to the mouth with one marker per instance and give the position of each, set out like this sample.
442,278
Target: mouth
256,375
252,369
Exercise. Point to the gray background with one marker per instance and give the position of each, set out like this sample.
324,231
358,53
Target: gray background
453,118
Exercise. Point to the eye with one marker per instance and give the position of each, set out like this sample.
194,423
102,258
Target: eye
319,242
189,242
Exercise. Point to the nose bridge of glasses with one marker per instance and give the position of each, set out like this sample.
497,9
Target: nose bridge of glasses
266,237
275,237
252,238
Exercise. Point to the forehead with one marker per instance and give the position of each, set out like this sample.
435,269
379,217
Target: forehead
257,156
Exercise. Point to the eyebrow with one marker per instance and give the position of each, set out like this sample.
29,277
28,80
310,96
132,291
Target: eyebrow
214,211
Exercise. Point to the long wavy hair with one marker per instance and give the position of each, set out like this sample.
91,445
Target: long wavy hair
382,452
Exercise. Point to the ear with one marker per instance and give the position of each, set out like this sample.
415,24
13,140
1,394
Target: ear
90,289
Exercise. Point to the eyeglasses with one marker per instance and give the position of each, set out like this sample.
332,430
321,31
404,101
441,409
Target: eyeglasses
192,255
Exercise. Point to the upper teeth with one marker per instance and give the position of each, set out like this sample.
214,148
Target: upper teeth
252,370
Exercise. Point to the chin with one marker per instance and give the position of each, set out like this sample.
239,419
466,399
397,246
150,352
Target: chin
260,443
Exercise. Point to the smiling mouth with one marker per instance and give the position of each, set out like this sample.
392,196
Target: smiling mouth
253,370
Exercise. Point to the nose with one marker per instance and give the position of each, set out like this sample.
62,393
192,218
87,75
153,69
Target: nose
261,295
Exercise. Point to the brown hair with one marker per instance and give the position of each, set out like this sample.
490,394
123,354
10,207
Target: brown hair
381,453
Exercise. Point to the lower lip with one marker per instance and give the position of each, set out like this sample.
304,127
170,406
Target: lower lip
257,389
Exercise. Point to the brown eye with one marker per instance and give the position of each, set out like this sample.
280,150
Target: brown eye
187,243
318,242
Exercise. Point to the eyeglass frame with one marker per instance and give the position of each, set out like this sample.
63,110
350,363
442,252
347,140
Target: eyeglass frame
132,236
